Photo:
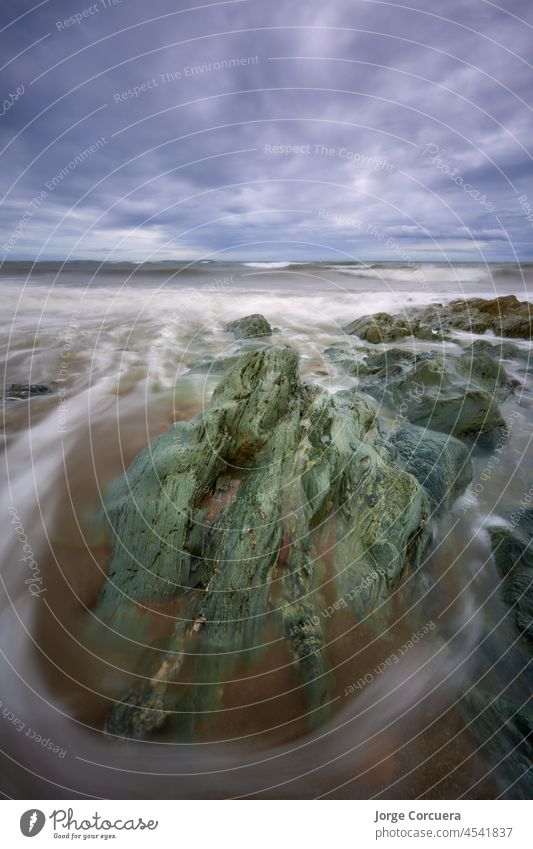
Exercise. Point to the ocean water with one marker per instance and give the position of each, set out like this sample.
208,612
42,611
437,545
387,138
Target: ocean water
127,349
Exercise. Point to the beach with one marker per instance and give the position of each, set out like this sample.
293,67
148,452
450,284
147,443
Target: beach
126,351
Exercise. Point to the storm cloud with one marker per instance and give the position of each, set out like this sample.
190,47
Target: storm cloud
350,129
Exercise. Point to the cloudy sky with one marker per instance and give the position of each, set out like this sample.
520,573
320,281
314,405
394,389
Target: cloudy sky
267,129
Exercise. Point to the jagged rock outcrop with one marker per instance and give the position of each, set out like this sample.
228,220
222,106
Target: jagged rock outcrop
224,527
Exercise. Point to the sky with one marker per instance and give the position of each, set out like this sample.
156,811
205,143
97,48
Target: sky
266,129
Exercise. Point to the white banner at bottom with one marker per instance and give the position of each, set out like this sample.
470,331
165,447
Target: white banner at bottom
264,824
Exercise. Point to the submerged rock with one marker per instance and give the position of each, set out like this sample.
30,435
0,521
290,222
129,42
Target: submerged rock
503,715
223,529
351,360
249,326
498,350
458,394
504,727
22,391
513,553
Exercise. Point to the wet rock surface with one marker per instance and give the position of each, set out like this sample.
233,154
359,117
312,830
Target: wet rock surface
440,463
222,525
513,553
222,529
504,717
458,394
506,316
249,327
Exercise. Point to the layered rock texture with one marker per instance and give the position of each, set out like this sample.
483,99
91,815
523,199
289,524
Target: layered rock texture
225,528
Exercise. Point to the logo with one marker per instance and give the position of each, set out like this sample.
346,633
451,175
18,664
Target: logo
32,822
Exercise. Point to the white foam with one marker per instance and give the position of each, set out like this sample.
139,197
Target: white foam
267,264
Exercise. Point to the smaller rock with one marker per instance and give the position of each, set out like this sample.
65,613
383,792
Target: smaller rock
21,391
499,350
438,461
249,326
514,560
380,327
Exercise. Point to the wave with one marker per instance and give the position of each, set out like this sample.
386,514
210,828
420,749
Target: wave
267,264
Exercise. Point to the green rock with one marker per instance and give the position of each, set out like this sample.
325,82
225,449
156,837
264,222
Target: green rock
500,350
439,462
513,553
502,719
351,360
221,530
249,326
455,394
380,327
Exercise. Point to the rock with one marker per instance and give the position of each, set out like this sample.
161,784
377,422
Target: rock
212,366
500,350
22,391
439,462
502,717
351,360
249,326
505,316
224,525
513,553
504,727
380,327
455,394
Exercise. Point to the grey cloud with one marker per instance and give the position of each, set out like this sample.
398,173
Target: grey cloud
378,82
